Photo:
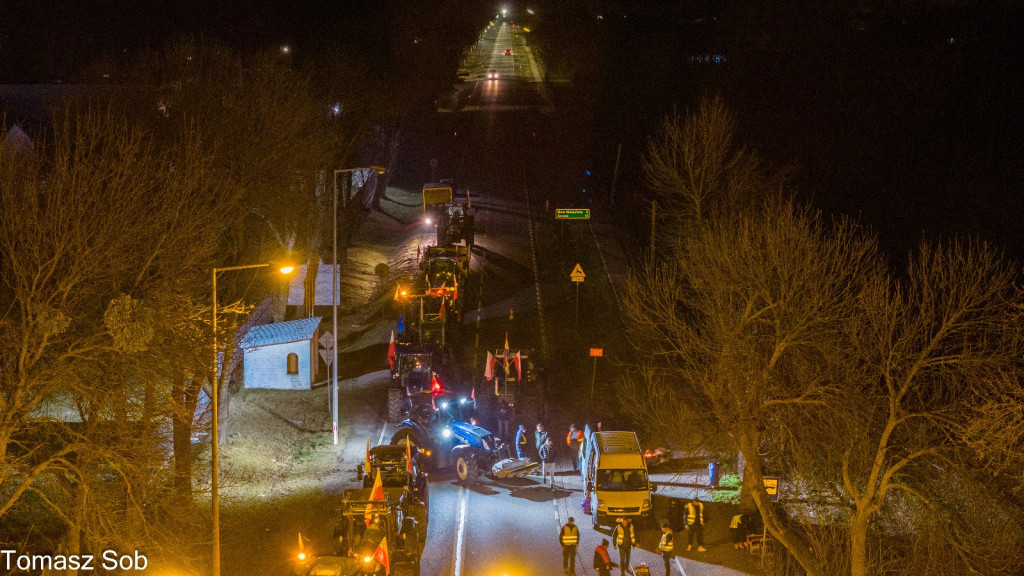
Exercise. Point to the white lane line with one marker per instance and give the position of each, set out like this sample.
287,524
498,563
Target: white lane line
536,278
462,530
383,429
680,566
605,264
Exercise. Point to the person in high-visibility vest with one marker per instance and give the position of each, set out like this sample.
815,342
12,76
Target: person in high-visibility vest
624,538
695,524
569,538
666,546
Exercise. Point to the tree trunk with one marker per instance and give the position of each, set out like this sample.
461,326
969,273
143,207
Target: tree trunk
773,522
181,434
858,545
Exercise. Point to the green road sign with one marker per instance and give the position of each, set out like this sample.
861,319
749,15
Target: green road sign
572,213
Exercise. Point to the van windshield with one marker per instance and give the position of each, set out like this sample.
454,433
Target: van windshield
622,480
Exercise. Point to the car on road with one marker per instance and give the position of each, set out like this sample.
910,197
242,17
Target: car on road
508,51
492,74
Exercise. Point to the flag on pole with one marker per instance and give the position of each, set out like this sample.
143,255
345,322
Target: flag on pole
367,465
408,456
381,555
505,355
519,365
472,393
489,366
442,308
456,296
391,351
376,493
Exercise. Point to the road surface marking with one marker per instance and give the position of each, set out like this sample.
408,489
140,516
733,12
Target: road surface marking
462,528
680,566
605,264
383,429
536,278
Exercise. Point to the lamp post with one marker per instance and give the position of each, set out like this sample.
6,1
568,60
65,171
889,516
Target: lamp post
334,295
215,398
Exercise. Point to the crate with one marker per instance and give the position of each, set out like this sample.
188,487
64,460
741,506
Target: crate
641,570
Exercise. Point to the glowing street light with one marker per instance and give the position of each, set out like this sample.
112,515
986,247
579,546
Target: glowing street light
215,399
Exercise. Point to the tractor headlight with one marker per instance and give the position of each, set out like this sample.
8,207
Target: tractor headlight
444,405
367,559
463,400
446,433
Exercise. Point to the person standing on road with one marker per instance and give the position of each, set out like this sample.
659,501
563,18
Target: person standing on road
624,538
521,442
504,418
547,462
573,440
666,545
569,538
539,437
602,561
695,524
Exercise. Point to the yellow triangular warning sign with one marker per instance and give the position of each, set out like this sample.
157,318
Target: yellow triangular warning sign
577,274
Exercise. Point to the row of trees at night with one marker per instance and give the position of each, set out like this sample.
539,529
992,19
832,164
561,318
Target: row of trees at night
111,221
890,401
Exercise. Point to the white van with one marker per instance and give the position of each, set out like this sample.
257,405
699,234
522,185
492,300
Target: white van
615,476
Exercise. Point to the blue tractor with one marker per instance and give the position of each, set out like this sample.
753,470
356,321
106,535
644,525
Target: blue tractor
446,436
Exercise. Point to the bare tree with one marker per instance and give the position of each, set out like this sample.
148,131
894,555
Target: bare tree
695,166
917,348
104,241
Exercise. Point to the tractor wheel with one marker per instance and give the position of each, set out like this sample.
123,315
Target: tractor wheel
394,405
466,469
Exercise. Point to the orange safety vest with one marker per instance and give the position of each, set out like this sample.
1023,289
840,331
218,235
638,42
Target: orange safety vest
568,438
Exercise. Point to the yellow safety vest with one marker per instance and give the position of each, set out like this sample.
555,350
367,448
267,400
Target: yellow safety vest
570,535
666,543
694,514
621,538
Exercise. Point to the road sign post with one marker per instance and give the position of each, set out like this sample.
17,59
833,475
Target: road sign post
577,276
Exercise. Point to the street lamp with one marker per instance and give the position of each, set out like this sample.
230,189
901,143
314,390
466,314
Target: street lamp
334,295
215,398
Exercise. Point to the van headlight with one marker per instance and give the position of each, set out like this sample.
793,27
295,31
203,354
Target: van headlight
602,507
647,505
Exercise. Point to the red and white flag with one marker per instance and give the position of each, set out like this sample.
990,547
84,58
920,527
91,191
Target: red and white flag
376,493
442,308
518,359
391,351
381,555
489,366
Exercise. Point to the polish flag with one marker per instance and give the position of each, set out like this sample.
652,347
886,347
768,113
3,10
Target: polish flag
442,308
489,366
376,493
381,555
391,351
518,359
